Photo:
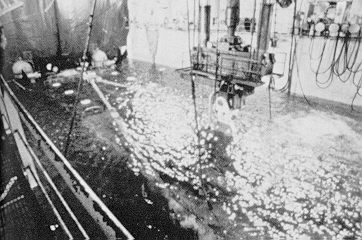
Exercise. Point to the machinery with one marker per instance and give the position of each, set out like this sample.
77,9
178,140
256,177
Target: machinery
235,67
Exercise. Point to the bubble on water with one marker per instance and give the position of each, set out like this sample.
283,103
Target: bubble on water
56,84
69,92
85,101
131,78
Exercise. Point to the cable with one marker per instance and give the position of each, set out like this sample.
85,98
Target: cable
290,72
217,46
269,89
198,34
188,31
80,82
300,82
194,30
359,87
193,93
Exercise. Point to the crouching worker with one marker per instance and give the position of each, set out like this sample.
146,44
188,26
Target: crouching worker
99,58
21,69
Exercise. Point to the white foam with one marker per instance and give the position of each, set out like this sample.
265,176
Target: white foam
56,84
131,78
85,101
69,92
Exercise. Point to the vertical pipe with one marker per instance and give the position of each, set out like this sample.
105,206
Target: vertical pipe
217,45
194,25
264,27
199,32
291,58
205,27
232,16
252,25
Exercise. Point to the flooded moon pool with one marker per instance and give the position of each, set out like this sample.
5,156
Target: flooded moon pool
168,174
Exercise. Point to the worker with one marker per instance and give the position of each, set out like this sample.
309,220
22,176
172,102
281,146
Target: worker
121,54
99,58
21,68
267,61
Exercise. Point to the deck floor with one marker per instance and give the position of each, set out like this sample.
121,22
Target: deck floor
21,215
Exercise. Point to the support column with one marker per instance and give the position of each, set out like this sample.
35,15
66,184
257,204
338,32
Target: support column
205,26
264,27
232,17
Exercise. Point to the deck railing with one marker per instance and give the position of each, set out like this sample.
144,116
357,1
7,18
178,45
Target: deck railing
107,221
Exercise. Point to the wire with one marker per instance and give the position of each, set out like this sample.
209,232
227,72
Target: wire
193,93
359,87
217,46
290,72
271,80
80,82
343,65
198,34
300,82
188,31
194,30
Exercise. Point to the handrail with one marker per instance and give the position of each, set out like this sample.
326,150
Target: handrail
6,117
78,180
51,183
57,214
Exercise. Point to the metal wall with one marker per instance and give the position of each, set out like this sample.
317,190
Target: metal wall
40,25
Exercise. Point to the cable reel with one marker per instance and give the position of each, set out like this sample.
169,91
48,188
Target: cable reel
333,30
354,30
319,28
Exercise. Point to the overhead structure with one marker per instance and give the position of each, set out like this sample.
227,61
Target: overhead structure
235,66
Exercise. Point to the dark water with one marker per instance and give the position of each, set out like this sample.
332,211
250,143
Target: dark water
222,180
139,207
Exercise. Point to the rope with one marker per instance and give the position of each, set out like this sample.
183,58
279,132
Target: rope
290,72
80,82
197,132
217,46
188,31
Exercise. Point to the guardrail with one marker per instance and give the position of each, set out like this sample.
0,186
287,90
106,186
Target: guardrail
55,189
110,225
